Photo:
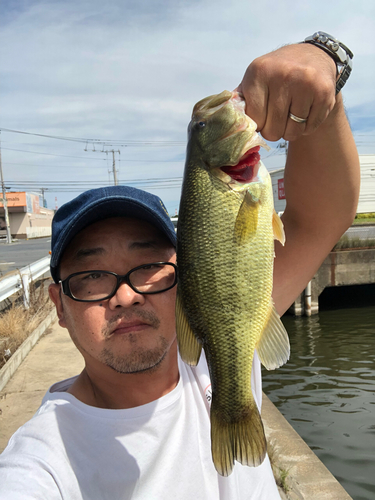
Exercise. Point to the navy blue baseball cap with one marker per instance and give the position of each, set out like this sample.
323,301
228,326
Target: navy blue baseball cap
102,203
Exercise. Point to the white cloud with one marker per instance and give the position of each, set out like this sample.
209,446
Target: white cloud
133,70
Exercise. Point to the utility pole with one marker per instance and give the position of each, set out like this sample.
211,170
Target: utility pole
44,201
114,165
106,151
284,145
5,203
114,171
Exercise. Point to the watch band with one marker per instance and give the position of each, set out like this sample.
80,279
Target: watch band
338,51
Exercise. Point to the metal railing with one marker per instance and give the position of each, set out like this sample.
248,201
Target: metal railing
21,281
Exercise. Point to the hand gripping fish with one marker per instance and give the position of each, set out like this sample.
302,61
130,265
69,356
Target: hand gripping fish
225,254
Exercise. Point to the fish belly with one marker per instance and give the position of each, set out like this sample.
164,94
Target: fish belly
224,291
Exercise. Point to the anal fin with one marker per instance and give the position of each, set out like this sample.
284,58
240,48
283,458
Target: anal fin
273,347
190,348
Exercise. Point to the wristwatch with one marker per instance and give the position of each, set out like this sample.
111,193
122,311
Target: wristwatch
339,53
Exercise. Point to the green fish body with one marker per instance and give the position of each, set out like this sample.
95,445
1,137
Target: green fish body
225,255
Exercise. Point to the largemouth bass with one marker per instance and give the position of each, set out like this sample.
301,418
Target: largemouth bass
225,253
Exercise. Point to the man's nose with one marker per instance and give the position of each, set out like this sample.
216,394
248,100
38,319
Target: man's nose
126,297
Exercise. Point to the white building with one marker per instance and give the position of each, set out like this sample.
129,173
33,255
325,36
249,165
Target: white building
27,216
279,200
366,202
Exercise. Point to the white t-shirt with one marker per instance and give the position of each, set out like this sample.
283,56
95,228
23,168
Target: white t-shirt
160,450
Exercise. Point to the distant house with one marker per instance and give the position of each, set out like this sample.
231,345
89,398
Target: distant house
366,202
27,216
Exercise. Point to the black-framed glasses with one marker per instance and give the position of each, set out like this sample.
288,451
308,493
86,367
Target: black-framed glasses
92,286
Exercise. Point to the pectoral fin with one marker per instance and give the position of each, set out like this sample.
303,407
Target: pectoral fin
273,347
247,219
190,348
278,228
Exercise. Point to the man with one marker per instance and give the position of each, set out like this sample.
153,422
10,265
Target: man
135,422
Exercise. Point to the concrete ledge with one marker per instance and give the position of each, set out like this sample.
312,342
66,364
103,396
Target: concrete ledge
307,478
14,362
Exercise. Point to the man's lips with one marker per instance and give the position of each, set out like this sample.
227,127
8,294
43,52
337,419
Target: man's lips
138,321
130,326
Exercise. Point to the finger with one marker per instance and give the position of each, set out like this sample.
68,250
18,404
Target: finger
256,99
277,114
254,88
295,127
320,109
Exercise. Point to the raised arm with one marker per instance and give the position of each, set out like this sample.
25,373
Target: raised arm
322,170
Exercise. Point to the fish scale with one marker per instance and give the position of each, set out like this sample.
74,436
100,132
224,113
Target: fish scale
225,280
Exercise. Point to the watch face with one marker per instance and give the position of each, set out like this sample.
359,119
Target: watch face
322,37
339,53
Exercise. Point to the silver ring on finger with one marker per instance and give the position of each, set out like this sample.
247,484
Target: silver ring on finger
297,119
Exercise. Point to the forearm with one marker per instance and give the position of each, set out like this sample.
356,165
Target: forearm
322,177
322,170
321,187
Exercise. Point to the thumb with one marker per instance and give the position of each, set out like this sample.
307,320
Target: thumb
255,93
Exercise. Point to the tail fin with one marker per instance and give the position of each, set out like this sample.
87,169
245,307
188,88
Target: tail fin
243,440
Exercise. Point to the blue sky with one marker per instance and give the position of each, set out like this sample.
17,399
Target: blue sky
129,72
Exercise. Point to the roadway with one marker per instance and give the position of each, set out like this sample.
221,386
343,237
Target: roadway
362,232
22,252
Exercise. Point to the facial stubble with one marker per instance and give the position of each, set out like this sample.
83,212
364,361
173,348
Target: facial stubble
140,358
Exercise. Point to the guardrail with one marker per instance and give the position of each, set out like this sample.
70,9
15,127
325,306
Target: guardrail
21,280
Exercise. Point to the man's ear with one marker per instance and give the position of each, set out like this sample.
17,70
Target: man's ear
54,291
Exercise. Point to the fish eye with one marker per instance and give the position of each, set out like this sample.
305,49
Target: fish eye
201,124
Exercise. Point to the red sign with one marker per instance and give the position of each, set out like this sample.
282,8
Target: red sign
281,190
15,199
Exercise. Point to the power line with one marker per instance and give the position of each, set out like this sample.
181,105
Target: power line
127,180
75,139
52,154
84,188
97,181
40,165
82,166
79,157
76,183
104,142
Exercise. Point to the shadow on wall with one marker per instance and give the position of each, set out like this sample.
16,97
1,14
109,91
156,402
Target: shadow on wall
340,297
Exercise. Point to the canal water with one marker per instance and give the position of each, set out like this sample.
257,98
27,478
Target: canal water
327,392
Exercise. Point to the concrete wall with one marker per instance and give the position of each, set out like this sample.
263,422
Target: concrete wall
17,222
344,267
29,225
307,478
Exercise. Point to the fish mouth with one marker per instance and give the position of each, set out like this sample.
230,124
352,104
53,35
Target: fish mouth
246,169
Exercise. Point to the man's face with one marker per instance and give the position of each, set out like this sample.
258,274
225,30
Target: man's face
129,332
